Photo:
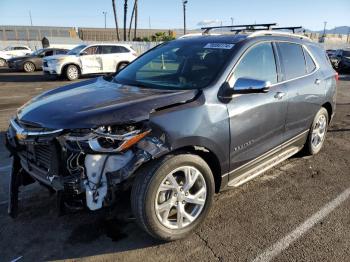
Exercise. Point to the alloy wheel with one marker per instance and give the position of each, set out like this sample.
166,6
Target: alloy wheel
181,197
319,131
29,67
73,72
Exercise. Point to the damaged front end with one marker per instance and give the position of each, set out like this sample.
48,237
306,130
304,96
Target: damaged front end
86,167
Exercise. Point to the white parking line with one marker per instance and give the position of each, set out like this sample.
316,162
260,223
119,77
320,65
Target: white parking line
284,243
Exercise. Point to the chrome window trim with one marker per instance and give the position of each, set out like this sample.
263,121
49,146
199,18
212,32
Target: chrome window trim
20,130
276,41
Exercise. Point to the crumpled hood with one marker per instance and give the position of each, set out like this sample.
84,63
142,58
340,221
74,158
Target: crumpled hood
97,102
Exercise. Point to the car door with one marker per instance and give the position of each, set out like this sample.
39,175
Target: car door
91,60
304,85
110,58
257,120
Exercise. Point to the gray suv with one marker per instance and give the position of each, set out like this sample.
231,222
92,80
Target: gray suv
182,122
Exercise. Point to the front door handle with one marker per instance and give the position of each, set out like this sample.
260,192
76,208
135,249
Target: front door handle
280,95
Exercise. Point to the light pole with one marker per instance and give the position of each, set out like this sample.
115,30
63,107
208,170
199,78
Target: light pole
324,28
105,13
184,2
232,20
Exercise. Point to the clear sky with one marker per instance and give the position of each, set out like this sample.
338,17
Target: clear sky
168,13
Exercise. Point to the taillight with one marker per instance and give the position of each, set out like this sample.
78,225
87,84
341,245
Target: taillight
336,76
134,54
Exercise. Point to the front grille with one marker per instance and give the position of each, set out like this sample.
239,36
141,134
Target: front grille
42,157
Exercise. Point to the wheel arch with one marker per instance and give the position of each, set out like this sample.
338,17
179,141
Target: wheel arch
209,157
122,62
329,108
64,67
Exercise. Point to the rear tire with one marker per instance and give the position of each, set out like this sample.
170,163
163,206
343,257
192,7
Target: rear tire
28,67
72,72
167,203
2,62
121,66
317,133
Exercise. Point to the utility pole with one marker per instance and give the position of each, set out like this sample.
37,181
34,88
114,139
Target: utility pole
30,17
184,2
135,30
232,20
149,27
324,28
105,13
125,14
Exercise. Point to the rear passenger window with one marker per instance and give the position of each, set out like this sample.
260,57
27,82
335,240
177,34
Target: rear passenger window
123,49
258,63
310,64
293,60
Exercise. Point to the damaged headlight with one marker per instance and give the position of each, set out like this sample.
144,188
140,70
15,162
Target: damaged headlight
110,139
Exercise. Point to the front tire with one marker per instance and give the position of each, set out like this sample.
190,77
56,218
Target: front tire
28,67
171,197
317,133
72,72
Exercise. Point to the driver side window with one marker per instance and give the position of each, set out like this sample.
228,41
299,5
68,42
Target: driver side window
258,64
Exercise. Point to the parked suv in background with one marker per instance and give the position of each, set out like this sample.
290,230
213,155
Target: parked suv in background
34,61
183,121
90,59
13,51
341,60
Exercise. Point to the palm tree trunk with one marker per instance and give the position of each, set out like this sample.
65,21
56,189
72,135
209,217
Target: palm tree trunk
115,19
125,14
135,19
131,19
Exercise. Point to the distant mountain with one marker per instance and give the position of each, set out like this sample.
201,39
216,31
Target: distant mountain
344,30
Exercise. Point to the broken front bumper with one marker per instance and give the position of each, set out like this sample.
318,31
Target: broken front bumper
72,167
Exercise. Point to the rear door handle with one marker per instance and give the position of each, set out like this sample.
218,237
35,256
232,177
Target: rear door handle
318,81
280,95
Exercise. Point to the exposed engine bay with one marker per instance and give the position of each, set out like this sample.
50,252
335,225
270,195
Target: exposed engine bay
85,167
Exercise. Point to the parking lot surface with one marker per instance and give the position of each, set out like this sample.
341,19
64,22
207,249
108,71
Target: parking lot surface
298,211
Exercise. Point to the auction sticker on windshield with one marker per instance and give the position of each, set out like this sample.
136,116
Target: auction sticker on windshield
219,45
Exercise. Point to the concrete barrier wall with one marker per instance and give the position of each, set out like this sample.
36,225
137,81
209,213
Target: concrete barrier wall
140,47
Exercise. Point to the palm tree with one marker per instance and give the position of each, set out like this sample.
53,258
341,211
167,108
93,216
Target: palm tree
115,19
135,19
131,19
125,14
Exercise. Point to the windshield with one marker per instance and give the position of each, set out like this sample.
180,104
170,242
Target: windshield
8,48
76,50
177,65
37,52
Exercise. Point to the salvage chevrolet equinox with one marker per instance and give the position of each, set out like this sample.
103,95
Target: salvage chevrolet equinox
180,123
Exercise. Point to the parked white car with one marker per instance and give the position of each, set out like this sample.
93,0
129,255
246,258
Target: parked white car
13,51
89,59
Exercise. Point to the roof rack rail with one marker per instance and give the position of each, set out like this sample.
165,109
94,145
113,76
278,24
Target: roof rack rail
292,28
277,33
252,27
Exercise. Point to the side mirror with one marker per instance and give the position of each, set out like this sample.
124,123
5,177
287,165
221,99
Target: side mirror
83,53
246,86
